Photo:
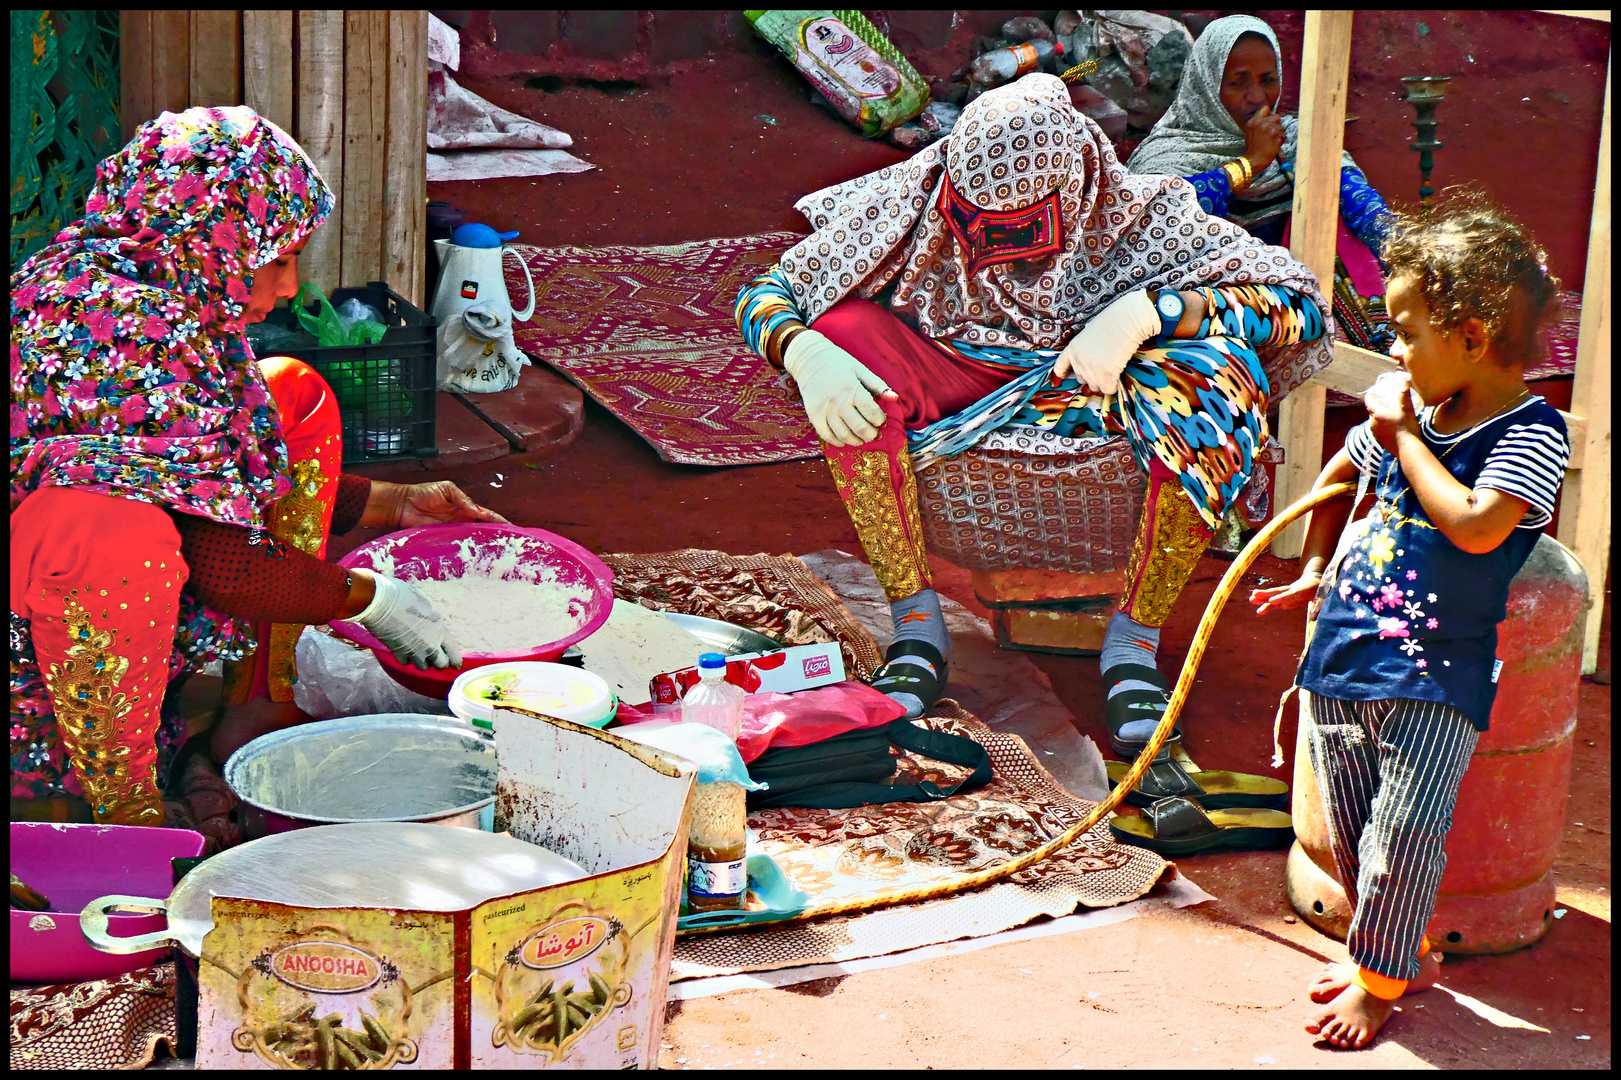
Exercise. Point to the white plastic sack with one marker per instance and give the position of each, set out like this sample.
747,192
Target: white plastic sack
336,678
476,352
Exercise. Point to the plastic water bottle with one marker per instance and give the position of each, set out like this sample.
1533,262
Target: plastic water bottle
714,701
1004,65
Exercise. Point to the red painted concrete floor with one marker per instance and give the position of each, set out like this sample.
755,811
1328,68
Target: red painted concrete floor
1218,985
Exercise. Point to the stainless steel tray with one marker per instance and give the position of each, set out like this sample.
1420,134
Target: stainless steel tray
723,637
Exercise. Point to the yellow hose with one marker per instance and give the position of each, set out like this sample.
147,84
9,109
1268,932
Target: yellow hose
1179,697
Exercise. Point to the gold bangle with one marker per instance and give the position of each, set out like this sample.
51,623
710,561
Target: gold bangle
1245,172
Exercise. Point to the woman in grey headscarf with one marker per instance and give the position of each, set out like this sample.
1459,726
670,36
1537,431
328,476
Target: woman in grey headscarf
1224,136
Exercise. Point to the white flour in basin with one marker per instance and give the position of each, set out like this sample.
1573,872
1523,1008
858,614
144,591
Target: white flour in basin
499,604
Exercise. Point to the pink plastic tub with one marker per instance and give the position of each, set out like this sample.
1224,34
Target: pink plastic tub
74,864
432,551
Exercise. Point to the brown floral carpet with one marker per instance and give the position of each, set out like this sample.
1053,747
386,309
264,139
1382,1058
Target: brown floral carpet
105,1024
875,852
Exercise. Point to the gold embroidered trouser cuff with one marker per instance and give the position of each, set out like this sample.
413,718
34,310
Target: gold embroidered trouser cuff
1171,536
102,624
879,489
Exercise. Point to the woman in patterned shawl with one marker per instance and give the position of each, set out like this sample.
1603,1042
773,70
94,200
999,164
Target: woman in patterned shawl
157,514
1223,135
1015,274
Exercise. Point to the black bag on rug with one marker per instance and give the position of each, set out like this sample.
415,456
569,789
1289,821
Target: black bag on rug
849,770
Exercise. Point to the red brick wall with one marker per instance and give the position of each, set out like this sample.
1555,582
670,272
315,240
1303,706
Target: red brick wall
1521,118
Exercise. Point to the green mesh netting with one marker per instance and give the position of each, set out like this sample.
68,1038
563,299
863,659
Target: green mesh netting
64,117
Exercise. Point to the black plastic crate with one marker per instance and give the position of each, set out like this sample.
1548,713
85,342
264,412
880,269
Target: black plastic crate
387,392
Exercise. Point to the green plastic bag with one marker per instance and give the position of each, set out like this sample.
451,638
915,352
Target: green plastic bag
328,327
854,66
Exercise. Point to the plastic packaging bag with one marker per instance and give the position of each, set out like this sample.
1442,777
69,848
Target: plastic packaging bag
332,328
477,353
809,716
715,755
338,679
854,66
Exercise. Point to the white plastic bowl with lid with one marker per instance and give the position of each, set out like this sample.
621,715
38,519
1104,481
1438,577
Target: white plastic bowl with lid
560,690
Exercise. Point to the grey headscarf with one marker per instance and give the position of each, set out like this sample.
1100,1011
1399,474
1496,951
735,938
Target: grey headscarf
1198,134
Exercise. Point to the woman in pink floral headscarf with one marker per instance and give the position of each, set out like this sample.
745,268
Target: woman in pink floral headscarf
153,499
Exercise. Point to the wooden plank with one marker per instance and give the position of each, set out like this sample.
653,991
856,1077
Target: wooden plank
215,60
1354,370
267,65
1584,510
365,104
1324,70
318,120
134,70
171,61
405,176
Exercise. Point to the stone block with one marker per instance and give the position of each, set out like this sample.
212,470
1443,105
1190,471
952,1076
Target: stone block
1109,116
1023,587
543,412
684,35
929,28
600,34
1072,633
463,438
524,31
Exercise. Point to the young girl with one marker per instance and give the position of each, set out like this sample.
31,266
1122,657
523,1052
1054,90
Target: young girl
1401,667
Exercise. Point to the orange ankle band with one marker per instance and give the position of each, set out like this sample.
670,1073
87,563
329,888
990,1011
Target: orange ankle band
1424,948
1380,986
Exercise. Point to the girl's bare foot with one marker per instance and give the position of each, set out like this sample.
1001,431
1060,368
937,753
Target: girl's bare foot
1336,977
1352,1019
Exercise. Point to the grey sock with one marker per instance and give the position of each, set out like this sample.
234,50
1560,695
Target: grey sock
918,618
1128,641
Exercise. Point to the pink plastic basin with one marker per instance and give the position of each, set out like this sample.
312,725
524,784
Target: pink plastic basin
432,551
73,865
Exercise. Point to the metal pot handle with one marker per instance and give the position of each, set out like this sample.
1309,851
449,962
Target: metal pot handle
93,922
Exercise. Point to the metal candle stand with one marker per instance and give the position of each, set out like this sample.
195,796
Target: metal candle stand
1424,94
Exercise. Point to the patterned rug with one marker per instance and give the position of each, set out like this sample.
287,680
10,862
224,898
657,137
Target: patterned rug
873,851
648,333
104,1024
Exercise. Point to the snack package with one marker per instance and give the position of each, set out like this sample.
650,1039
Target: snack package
798,667
854,66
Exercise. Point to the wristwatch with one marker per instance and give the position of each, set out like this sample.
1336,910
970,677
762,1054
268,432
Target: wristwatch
1170,305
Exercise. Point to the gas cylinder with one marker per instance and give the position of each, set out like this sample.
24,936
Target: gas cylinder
1497,892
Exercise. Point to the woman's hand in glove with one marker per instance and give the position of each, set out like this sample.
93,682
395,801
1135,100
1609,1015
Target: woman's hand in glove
837,390
405,506
1098,354
402,619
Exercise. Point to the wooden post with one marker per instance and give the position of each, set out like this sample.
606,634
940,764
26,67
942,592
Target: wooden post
1324,69
134,70
267,65
365,105
1584,509
404,220
171,63
214,66
318,120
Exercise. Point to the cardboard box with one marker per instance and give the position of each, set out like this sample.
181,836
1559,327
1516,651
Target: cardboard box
782,671
442,990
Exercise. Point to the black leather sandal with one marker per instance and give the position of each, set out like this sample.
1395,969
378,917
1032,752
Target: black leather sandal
1139,704
912,667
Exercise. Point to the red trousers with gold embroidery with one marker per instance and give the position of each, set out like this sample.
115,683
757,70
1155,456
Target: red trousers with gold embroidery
95,580
876,482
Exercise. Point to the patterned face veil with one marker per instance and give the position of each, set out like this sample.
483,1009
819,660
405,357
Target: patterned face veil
1004,169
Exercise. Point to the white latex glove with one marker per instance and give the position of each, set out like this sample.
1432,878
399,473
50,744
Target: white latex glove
1098,354
837,389
402,618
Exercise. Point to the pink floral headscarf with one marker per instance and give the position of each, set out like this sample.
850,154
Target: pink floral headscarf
129,370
